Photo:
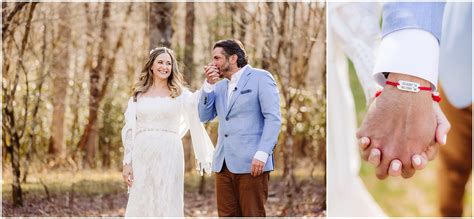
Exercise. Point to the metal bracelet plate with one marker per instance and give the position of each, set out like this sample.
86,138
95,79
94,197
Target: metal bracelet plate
408,86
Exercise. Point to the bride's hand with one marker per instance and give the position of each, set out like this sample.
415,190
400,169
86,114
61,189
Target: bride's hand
127,174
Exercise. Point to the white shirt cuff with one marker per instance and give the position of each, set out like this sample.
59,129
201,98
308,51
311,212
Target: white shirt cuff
261,156
412,52
208,88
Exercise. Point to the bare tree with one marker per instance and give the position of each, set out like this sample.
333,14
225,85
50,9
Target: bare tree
288,44
99,77
37,100
13,130
7,20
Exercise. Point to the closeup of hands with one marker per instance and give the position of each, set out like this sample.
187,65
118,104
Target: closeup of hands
400,130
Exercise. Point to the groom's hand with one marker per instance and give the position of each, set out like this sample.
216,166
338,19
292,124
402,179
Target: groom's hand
399,124
257,167
212,73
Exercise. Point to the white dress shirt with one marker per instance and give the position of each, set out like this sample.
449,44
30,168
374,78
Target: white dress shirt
234,80
408,51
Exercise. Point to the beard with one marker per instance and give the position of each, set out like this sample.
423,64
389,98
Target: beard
224,70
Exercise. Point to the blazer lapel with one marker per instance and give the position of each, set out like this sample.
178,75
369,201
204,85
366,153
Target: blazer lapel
240,85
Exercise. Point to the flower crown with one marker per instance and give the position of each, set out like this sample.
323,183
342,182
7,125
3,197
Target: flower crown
152,50
156,48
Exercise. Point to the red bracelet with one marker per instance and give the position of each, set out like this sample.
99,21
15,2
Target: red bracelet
411,87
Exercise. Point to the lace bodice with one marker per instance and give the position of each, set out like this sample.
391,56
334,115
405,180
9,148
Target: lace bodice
175,115
158,113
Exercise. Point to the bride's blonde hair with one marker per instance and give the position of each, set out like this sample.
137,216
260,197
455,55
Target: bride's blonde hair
145,78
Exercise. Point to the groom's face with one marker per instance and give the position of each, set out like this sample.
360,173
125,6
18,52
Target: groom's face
220,61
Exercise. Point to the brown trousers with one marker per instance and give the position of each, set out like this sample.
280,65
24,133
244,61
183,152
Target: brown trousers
241,194
455,160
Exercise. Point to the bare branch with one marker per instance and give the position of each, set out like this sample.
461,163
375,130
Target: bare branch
7,19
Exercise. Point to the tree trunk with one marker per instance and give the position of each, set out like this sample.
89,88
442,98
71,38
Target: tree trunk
161,29
86,143
13,130
232,12
243,20
99,83
106,131
288,171
268,34
15,158
60,80
189,43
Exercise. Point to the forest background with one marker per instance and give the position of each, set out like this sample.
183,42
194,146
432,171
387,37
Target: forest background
67,73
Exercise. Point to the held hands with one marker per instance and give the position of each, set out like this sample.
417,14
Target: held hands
127,174
212,73
398,134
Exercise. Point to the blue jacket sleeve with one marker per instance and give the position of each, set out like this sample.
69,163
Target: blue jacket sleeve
270,105
422,15
207,107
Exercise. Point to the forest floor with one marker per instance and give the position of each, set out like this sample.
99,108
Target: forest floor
102,193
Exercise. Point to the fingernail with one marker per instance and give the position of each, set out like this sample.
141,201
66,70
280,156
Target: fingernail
363,141
417,160
445,138
395,166
374,153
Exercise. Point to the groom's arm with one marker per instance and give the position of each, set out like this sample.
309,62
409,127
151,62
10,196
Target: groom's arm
206,106
410,41
270,106
410,48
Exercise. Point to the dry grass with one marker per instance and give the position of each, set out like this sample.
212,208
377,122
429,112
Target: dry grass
102,193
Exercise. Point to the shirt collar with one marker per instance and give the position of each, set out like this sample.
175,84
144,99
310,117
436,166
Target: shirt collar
236,76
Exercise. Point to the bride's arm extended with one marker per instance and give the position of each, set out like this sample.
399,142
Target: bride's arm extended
202,144
357,32
127,132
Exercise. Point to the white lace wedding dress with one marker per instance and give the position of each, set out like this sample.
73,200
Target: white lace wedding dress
353,32
152,136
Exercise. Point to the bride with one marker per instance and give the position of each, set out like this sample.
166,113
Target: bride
158,115
353,32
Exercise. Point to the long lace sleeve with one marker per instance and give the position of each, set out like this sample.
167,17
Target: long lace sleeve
202,144
127,132
357,30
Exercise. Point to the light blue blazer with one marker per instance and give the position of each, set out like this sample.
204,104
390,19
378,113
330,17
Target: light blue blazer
251,123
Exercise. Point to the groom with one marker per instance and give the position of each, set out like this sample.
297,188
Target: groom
247,105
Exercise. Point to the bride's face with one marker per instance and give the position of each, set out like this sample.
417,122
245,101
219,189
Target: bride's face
162,66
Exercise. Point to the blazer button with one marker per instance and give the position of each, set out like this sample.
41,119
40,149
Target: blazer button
226,135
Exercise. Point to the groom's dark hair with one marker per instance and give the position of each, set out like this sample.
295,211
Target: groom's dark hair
233,47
